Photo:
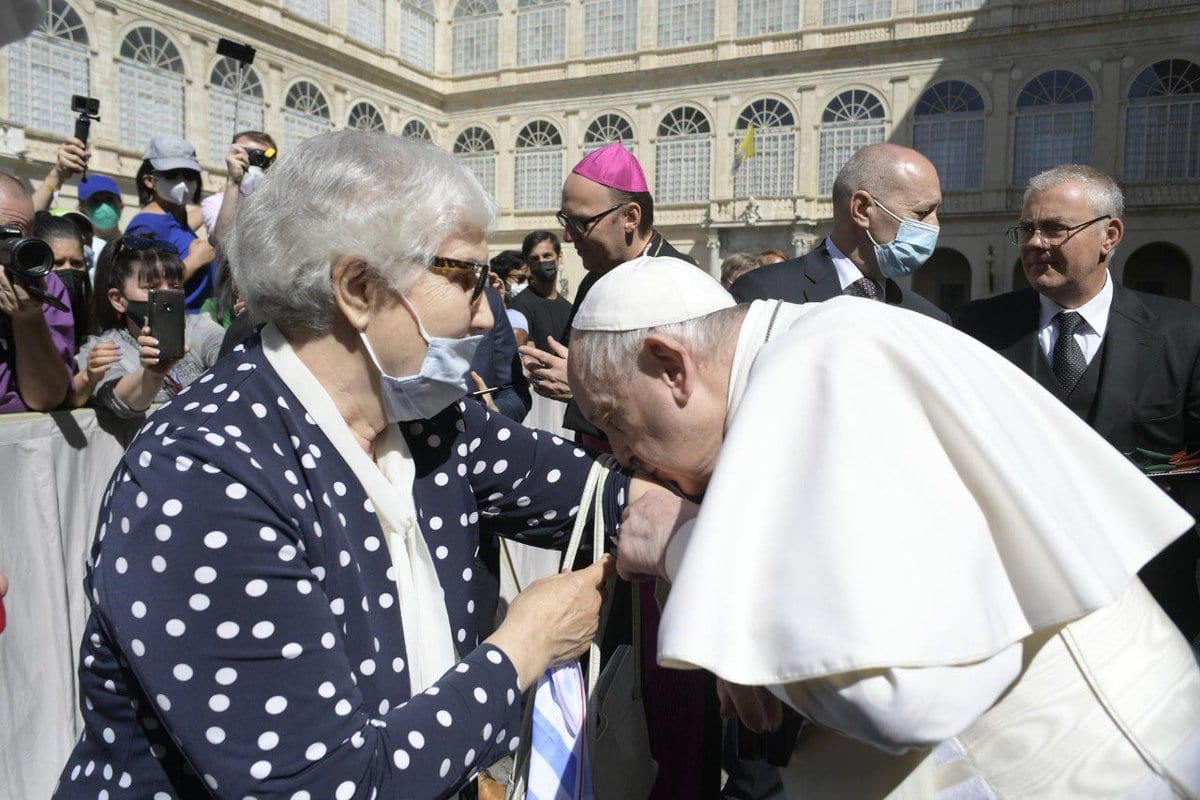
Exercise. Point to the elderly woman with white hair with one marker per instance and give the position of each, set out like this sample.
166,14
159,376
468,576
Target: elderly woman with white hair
281,578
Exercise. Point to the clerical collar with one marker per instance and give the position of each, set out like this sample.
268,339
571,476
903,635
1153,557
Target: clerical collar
847,271
1094,311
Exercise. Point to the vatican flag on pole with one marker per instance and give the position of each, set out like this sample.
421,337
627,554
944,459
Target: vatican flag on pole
745,150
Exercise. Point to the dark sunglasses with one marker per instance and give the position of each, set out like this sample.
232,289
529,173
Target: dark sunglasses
579,226
469,275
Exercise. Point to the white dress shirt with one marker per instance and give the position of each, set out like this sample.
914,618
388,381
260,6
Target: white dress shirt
847,271
1089,335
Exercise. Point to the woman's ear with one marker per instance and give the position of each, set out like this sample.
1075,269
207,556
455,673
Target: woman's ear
117,300
354,288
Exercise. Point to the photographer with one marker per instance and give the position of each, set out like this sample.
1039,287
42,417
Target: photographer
126,385
36,340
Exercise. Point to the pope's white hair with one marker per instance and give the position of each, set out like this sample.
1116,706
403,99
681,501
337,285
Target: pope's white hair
611,356
390,201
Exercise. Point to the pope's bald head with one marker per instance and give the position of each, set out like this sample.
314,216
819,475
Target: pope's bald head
16,206
881,169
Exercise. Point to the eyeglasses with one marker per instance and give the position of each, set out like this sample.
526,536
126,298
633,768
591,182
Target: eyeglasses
1052,233
469,275
579,226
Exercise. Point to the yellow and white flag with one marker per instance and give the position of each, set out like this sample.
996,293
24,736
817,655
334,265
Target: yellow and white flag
745,150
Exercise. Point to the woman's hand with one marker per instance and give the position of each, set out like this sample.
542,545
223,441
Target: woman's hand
99,359
480,385
148,355
553,620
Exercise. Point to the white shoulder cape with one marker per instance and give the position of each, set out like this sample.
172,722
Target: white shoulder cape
892,493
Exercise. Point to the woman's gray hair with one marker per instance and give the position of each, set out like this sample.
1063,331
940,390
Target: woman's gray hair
388,200
612,356
1103,192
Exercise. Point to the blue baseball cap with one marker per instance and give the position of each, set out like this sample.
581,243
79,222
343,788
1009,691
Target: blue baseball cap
94,183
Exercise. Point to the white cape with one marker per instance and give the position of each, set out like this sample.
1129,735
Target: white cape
892,493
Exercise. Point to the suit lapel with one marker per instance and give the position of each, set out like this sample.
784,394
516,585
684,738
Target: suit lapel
1131,349
821,279
1025,350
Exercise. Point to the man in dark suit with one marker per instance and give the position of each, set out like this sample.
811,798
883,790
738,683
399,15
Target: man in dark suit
885,204
1125,361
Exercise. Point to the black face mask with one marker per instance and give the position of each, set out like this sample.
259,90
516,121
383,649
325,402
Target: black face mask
545,271
138,310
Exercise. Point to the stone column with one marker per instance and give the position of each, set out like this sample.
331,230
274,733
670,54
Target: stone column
714,254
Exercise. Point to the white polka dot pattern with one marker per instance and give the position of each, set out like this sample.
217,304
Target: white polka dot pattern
249,602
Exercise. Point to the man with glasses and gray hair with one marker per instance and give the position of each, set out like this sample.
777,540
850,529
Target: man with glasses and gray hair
1124,361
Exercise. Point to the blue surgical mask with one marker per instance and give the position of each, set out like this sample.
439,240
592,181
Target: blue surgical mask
909,250
441,381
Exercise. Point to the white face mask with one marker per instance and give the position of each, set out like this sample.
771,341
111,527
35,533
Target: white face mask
178,193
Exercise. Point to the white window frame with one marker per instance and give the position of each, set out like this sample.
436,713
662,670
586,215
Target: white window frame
305,113
609,27
852,12
46,68
476,150
538,174
686,22
365,22
852,120
771,172
944,6
222,97
1044,114
476,32
312,10
416,129
683,157
607,127
1162,122
150,85
418,33
761,17
541,32
948,130
365,116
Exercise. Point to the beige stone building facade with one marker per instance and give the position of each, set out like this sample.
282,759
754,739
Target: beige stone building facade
991,90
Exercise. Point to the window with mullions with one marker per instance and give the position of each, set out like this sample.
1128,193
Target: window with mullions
46,68
607,128
315,10
150,87
771,172
305,113
418,26
475,36
683,155
939,6
756,17
364,22
847,12
223,84
365,116
1053,125
476,150
415,129
1162,123
948,130
541,31
609,27
539,168
852,120
683,22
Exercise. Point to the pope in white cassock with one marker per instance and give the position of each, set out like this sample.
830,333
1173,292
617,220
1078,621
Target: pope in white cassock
900,535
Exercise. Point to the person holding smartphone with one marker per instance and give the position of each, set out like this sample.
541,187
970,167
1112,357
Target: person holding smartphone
129,268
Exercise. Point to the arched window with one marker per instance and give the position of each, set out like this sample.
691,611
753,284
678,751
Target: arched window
683,22
305,113
150,87
609,27
683,154
476,150
541,31
851,121
1159,268
223,84
607,128
364,22
46,68
847,12
1054,124
365,117
475,36
315,10
770,173
756,17
415,129
948,129
539,167
940,6
1162,124
418,26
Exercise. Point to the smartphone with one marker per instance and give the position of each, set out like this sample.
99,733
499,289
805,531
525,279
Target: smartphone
166,321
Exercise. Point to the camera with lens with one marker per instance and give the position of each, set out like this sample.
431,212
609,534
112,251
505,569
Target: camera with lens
260,158
27,260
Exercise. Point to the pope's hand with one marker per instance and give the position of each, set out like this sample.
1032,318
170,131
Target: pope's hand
755,706
649,522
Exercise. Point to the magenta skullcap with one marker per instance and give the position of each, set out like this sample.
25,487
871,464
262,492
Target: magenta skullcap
615,167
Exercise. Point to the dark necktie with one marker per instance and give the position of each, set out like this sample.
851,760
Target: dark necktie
1069,363
864,287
